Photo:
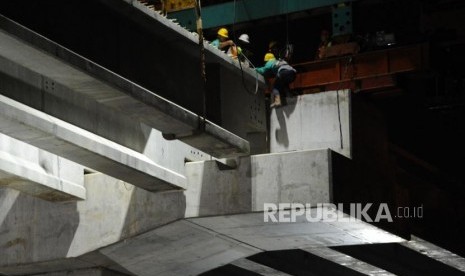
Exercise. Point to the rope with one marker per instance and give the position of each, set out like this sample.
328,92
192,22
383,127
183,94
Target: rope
241,54
203,74
346,67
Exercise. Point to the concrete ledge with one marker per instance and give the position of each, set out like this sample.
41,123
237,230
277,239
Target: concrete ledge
51,134
39,173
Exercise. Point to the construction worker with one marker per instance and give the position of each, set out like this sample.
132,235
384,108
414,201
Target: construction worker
325,42
240,49
222,42
245,54
284,74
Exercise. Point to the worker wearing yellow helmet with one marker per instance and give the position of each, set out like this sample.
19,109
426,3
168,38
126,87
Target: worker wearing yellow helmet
283,73
222,41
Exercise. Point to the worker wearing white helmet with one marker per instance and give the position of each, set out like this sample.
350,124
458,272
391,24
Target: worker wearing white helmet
241,49
244,38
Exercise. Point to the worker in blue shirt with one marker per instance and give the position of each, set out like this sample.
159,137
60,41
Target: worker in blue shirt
284,74
222,42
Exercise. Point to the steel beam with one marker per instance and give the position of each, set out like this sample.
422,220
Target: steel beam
246,10
372,69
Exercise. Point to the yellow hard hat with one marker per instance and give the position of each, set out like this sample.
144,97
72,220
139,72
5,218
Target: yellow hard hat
269,56
223,32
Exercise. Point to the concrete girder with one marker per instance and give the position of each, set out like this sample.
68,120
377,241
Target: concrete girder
58,137
39,173
59,89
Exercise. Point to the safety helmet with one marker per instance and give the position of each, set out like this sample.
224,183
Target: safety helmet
269,56
244,38
223,32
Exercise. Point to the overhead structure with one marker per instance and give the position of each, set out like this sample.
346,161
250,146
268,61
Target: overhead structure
246,10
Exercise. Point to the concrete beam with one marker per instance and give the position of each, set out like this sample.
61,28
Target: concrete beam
313,121
58,137
39,173
44,82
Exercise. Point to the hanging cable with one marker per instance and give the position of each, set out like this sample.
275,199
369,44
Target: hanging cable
203,74
241,54
344,74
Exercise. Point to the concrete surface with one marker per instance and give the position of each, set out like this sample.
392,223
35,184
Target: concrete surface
193,246
181,248
258,268
294,177
253,231
84,272
56,136
38,236
311,122
433,251
348,261
39,173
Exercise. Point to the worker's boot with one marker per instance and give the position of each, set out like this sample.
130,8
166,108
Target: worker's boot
276,102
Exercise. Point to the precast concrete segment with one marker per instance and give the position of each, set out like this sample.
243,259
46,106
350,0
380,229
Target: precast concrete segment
45,82
313,121
83,147
39,173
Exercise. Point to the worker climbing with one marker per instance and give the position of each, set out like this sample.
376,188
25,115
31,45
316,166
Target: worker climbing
284,75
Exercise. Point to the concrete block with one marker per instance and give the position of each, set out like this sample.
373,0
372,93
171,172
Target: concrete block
311,122
213,188
293,177
39,173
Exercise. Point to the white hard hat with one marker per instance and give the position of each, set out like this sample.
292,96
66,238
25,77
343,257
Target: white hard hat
244,38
